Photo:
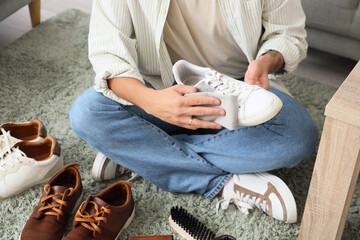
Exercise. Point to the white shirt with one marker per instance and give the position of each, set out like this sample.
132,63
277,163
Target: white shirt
126,37
196,32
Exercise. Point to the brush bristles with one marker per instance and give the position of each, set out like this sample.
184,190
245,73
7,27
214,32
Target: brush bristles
189,224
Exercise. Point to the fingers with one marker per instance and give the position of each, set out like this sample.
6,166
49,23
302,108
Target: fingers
250,80
185,89
193,123
202,111
201,100
197,123
265,85
194,100
262,81
257,74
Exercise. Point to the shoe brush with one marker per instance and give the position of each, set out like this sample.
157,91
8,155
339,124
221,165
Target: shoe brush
190,228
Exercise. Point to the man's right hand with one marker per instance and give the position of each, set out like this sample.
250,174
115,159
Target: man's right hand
170,105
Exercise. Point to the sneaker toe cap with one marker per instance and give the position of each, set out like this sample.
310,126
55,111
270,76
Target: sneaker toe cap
283,209
258,102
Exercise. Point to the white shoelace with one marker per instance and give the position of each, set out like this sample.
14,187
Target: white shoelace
243,202
4,143
11,158
215,80
134,175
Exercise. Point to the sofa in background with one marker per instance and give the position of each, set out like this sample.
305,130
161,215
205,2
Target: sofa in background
334,26
8,7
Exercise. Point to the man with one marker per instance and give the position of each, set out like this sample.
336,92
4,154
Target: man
139,119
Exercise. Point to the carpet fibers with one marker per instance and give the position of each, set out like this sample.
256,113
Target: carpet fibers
41,75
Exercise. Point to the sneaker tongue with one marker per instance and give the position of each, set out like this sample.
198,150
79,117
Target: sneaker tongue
58,189
90,208
3,144
55,190
100,202
204,86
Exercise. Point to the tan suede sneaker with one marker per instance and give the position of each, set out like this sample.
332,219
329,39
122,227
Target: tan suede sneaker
104,215
61,197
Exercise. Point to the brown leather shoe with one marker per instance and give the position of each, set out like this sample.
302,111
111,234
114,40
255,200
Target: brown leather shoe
104,215
61,197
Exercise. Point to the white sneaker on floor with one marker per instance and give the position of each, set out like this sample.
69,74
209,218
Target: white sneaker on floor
105,169
261,190
12,133
255,104
29,164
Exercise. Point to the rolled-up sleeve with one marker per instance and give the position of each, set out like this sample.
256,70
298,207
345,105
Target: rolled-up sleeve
112,45
284,31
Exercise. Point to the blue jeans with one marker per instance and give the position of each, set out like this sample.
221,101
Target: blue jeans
180,160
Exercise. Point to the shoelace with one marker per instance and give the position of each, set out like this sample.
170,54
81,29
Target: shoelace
243,202
134,175
11,158
91,221
215,80
53,209
5,142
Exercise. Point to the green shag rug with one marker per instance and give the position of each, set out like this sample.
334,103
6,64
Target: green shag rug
41,75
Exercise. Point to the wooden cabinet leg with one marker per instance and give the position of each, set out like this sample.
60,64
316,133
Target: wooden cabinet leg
333,181
34,8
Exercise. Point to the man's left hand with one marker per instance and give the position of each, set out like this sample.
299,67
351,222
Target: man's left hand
258,70
257,74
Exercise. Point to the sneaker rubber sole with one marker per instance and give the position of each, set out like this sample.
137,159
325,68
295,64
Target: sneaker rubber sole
97,167
270,113
127,223
286,194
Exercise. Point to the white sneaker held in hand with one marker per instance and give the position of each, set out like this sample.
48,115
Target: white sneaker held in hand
255,104
29,164
260,190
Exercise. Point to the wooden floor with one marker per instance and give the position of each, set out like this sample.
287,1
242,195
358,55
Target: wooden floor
319,66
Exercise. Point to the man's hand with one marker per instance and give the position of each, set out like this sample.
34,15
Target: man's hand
170,105
257,74
258,70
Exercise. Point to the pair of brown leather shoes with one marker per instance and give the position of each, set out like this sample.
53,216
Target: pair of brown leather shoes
102,216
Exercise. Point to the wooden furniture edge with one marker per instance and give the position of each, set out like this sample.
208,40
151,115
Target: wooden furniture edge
340,133
345,104
35,12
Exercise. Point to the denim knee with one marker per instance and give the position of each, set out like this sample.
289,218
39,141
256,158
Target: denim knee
77,115
306,141
81,113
